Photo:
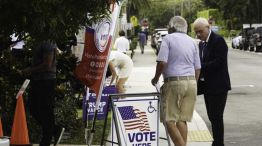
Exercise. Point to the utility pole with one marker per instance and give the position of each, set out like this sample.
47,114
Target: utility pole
174,11
182,8
189,11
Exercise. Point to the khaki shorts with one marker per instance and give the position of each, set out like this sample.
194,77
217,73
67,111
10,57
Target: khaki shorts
177,100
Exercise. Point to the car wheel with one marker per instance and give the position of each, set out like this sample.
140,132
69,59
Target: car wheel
251,49
245,47
233,46
258,49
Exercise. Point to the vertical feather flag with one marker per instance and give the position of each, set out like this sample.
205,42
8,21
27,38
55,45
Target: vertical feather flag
98,40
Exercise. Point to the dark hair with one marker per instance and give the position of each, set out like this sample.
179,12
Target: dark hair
121,33
171,30
108,72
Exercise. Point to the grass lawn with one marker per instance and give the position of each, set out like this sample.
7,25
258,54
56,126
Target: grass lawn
79,136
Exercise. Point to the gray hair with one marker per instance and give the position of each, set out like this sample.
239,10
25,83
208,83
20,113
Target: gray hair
201,21
178,23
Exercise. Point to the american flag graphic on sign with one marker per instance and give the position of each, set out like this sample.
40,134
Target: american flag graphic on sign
134,118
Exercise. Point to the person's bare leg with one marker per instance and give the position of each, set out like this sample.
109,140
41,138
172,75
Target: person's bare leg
182,127
174,133
120,85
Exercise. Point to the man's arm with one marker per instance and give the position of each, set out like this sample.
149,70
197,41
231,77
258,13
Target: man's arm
159,70
197,73
46,65
220,51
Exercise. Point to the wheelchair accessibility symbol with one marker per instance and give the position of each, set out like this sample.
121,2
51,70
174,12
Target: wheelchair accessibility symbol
150,108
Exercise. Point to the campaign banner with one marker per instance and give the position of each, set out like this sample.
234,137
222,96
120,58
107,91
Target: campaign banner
137,121
98,39
102,107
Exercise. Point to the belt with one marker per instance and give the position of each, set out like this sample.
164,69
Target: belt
177,78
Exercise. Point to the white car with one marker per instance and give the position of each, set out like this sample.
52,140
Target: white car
160,36
236,42
155,36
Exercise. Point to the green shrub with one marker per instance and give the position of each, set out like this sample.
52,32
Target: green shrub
67,95
133,43
224,33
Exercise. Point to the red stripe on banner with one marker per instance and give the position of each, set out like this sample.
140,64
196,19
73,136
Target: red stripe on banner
91,68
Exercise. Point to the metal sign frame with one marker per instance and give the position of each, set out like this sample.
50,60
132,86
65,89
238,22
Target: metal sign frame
117,98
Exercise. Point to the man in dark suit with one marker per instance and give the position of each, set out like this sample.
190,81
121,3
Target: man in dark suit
214,81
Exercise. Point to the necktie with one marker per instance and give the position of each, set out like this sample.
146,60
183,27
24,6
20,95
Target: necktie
204,49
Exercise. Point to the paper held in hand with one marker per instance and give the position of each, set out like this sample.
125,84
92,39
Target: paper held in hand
157,86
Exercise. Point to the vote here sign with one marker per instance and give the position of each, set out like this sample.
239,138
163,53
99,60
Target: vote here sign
137,121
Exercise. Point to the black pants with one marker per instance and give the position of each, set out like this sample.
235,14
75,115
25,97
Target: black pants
41,102
18,53
215,105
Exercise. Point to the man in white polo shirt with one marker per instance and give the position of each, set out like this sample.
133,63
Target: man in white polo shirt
122,43
178,60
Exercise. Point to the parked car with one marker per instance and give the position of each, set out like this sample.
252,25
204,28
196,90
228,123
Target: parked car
246,35
155,36
258,42
252,41
161,35
236,42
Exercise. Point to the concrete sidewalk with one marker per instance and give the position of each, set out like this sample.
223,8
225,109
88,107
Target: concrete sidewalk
140,82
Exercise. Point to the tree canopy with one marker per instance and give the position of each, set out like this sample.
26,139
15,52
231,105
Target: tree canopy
48,19
235,12
238,11
160,12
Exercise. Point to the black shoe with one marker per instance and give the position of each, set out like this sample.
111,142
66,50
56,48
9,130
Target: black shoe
59,131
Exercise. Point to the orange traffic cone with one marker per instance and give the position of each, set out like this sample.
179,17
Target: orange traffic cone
19,135
1,130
